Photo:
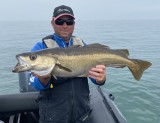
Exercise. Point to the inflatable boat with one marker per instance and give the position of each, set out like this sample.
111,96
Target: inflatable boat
23,107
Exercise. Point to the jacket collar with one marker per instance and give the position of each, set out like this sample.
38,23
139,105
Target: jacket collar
61,41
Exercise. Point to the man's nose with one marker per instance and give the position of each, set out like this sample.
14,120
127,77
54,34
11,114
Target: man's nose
64,24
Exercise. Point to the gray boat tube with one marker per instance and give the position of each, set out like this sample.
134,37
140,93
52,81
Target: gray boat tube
102,103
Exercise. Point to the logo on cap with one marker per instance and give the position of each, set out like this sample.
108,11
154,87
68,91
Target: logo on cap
63,10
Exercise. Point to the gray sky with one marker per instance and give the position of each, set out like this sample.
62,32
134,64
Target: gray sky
83,9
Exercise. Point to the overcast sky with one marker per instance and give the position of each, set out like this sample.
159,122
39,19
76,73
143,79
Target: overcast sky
83,9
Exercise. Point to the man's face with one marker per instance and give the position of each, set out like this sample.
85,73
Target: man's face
64,31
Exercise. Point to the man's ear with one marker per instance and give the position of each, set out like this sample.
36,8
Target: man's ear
52,21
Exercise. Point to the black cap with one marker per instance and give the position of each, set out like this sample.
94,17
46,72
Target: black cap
62,10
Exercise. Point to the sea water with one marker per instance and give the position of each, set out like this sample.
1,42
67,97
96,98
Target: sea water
139,101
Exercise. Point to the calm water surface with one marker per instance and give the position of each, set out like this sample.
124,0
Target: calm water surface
139,101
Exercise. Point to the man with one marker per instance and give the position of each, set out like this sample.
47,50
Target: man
64,100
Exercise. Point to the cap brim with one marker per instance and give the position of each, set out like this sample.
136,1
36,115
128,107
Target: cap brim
63,15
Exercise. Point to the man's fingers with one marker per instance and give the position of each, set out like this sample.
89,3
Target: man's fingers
94,73
101,66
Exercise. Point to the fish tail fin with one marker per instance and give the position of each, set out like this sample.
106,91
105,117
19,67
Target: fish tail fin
139,67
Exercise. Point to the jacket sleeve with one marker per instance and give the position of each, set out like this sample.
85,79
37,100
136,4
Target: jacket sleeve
39,46
35,82
94,81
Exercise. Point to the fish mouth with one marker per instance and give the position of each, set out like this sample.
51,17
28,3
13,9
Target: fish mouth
21,66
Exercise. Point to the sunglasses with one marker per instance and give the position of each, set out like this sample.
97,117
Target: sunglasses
69,22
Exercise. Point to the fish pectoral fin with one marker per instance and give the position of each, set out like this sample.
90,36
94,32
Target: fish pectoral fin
64,68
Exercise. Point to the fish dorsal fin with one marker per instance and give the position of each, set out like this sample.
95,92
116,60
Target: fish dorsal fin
97,45
123,51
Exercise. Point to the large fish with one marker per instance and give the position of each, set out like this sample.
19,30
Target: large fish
76,61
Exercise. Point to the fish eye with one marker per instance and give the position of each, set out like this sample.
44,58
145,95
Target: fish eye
33,57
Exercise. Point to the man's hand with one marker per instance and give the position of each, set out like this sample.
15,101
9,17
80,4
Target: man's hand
98,73
43,79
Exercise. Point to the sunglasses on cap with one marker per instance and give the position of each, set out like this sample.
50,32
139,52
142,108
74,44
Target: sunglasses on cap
69,22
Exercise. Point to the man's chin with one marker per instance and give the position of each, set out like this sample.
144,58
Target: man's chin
65,37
